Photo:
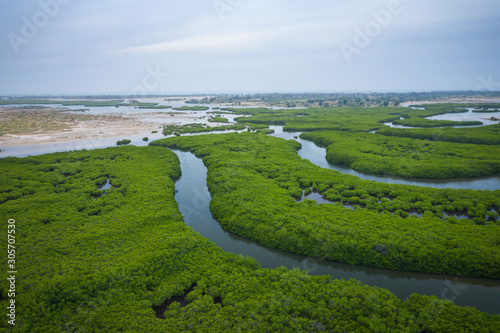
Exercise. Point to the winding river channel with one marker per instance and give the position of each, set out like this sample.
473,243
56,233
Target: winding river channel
194,198
317,155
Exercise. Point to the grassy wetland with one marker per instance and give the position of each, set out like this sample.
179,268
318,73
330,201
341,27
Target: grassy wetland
125,252
404,157
115,244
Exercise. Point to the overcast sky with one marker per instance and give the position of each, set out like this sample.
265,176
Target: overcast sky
240,46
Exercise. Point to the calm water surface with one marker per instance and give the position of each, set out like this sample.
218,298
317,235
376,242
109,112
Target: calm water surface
469,116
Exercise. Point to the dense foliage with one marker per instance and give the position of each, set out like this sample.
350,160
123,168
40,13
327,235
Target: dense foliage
311,119
204,128
337,99
199,128
415,121
485,135
218,119
253,180
349,118
416,117
119,260
443,108
123,142
156,107
411,158
191,108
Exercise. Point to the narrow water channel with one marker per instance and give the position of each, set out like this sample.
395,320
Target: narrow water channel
193,198
317,155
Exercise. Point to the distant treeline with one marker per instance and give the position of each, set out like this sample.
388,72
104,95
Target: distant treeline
305,99
337,99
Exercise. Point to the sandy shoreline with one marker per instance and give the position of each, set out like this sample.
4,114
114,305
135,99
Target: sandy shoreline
92,130
76,133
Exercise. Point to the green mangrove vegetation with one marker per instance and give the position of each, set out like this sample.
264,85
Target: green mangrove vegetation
218,119
191,108
415,118
484,135
486,110
123,142
255,180
404,157
156,107
353,118
399,157
120,257
123,260
415,121
204,128
311,119
199,128
459,107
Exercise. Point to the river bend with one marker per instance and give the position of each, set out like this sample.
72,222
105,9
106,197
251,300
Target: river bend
193,198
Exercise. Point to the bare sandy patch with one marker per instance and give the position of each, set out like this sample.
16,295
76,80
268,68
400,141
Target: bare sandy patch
76,127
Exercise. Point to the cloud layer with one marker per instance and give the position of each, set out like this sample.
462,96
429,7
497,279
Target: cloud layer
101,47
